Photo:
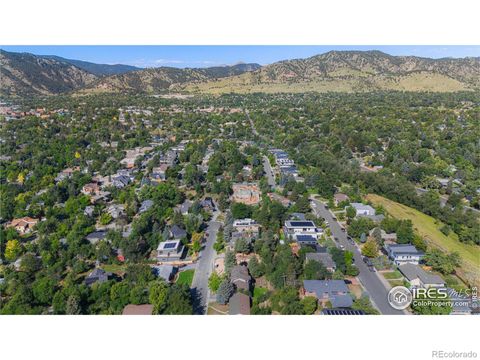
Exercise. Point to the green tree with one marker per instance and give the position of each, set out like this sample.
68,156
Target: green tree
158,293
214,281
315,270
370,249
309,304
256,268
225,292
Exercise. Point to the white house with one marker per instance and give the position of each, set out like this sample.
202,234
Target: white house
403,253
363,210
295,228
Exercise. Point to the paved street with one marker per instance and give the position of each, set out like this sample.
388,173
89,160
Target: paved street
204,268
370,280
269,172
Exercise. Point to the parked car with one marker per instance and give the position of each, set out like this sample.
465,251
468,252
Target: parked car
341,247
372,268
350,240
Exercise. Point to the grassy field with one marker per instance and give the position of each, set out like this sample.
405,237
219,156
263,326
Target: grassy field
114,268
185,277
258,291
392,275
429,229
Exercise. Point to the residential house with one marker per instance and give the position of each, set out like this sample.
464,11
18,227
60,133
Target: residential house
239,304
116,210
281,199
89,210
295,228
333,291
145,206
91,189
246,193
403,253
185,207
207,204
240,278
96,236
159,173
417,277
338,198
363,210
121,181
324,258
97,276
23,225
144,309
170,250
165,272
177,233
391,238
246,225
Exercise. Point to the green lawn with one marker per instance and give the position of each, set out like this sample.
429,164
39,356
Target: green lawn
114,268
258,291
429,229
392,275
396,282
185,277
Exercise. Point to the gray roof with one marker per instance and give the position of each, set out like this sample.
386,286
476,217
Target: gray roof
239,304
147,204
177,232
398,249
96,236
360,206
239,272
324,258
319,287
164,271
341,301
412,271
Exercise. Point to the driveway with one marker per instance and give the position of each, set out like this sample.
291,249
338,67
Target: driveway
370,280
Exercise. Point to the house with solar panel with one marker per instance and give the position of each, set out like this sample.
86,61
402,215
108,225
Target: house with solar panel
170,250
302,232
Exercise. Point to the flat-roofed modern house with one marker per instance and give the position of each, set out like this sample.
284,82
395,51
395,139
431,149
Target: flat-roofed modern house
417,277
171,250
246,225
404,253
297,228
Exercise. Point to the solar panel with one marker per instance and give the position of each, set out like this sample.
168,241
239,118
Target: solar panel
302,223
170,245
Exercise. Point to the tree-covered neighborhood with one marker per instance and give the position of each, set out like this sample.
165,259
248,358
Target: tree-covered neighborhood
307,203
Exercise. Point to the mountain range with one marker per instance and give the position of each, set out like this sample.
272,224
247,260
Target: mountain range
26,74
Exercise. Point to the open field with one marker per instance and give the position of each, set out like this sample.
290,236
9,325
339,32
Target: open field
429,229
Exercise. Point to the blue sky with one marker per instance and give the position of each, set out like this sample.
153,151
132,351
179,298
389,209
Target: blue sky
205,56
